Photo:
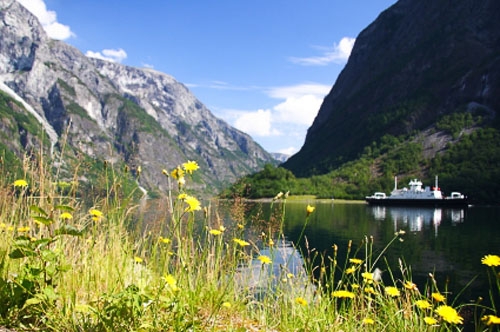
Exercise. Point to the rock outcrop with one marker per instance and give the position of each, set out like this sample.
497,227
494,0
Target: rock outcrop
108,111
418,61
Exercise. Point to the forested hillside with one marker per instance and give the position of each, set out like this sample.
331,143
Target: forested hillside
421,67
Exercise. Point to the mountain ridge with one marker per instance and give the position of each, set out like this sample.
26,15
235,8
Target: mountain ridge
417,62
108,111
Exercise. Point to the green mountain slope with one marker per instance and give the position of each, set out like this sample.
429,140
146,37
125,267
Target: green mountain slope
417,63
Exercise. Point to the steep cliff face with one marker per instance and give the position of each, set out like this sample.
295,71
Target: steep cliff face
419,60
112,112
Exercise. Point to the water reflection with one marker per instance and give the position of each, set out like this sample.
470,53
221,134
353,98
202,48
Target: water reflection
418,219
447,242
285,273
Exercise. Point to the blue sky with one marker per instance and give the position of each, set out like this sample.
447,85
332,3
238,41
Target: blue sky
262,66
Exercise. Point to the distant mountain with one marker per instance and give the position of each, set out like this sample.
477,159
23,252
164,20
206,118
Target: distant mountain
281,157
418,62
105,111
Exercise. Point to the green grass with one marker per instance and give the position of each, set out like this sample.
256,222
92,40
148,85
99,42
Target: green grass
174,264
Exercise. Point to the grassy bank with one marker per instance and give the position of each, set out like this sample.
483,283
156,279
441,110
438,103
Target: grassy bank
176,265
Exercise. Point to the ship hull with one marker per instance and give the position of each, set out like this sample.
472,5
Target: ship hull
457,202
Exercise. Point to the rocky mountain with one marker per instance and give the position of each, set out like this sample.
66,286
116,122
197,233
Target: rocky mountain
418,62
98,110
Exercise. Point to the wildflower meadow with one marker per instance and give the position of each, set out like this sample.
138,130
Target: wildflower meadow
108,265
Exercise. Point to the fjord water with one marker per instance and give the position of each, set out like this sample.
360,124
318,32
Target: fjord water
449,243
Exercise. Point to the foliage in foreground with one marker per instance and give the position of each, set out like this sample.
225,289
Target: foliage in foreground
68,266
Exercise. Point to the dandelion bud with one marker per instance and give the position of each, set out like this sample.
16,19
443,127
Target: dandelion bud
181,181
309,209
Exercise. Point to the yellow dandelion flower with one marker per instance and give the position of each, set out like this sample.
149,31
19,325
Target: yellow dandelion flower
410,285
177,173
23,229
449,314
164,240
10,228
491,260
430,320
368,321
392,291
367,275
241,226
370,290
20,183
215,232
3,225
264,259
271,242
96,214
350,270
438,297
491,320
226,305
66,215
355,286
193,204
182,196
138,259
343,294
310,209
355,261
301,301
170,280
289,275
241,242
222,228
190,166
423,304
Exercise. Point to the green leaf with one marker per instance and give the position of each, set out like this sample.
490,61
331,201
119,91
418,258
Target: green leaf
66,208
49,255
50,293
39,242
43,220
64,267
68,230
32,301
38,210
21,253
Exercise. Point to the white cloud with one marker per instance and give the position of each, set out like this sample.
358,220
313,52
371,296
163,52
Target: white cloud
295,111
48,19
108,55
298,90
301,102
301,110
258,123
338,54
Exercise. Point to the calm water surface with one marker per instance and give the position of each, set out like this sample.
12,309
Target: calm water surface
446,242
